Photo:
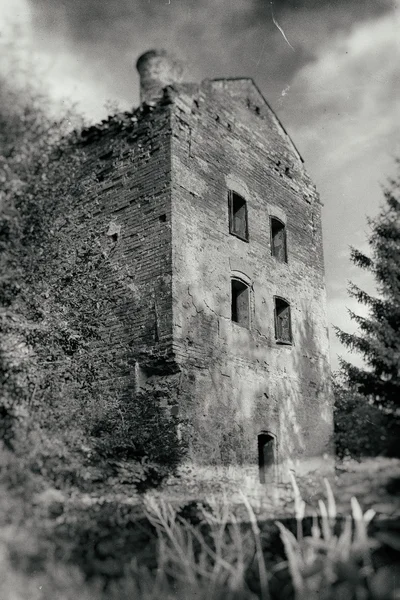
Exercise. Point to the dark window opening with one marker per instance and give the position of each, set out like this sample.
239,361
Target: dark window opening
278,240
283,327
240,304
238,216
267,458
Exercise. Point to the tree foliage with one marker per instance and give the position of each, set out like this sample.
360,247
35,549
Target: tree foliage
361,428
378,339
56,386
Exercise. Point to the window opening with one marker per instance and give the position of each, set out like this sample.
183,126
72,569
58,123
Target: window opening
238,216
267,458
240,304
283,326
278,239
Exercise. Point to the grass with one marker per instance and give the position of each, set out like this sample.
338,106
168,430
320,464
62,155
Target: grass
208,552
327,563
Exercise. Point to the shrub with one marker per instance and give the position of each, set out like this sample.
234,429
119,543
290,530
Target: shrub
56,386
361,428
328,565
140,429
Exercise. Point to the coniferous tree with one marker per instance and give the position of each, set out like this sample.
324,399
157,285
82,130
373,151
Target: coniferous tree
378,338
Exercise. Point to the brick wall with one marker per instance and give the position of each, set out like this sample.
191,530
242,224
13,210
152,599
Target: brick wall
155,199
124,207
238,382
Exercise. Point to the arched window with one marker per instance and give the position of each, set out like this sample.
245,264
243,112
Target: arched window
240,302
238,216
267,457
283,325
278,239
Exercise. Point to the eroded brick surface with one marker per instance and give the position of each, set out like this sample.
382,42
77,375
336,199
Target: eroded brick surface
239,382
157,200
126,208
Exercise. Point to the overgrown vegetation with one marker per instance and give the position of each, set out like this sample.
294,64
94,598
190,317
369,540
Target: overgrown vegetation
203,551
361,428
63,418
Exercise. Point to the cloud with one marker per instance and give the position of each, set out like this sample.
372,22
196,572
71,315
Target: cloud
93,44
14,12
353,88
15,30
343,110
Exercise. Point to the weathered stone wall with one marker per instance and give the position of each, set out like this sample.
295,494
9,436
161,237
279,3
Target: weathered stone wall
237,382
155,200
126,211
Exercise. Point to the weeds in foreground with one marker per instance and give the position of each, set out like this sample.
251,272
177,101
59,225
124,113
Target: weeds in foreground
335,561
327,564
214,556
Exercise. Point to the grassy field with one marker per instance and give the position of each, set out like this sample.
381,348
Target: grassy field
311,540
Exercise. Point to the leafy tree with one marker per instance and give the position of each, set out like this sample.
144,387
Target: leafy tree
378,338
361,428
55,385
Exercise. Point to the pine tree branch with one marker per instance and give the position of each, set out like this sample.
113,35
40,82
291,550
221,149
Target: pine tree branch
360,295
360,259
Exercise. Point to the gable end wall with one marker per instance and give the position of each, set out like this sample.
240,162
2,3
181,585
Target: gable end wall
237,383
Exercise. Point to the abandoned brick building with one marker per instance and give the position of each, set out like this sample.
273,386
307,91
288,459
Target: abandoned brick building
218,227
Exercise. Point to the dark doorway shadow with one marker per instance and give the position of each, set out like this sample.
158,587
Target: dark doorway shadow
267,457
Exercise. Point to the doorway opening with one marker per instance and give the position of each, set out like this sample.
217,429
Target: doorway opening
267,457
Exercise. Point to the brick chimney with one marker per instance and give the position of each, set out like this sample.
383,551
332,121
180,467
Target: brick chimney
157,69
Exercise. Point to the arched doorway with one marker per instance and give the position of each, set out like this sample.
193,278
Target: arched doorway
267,457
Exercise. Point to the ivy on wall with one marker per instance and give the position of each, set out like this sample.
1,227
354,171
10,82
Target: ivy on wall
63,412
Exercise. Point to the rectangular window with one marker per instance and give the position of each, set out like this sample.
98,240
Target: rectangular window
278,239
283,326
240,309
238,216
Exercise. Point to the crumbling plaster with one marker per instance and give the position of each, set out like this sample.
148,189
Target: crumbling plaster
156,183
241,381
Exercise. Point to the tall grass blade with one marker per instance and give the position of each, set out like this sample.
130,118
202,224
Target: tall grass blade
344,542
326,529
299,506
293,553
315,530
332,512
262,570
361,535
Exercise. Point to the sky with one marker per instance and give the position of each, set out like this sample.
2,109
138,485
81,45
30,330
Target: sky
330,70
